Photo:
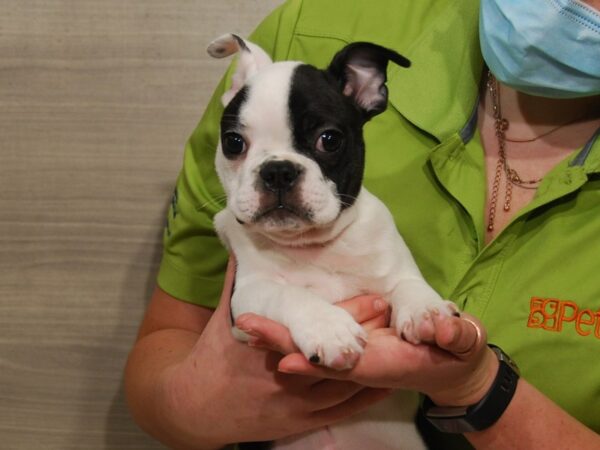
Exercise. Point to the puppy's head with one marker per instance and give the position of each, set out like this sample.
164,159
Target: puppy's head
291,154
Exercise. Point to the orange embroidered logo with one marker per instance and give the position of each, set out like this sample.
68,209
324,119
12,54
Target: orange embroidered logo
552,315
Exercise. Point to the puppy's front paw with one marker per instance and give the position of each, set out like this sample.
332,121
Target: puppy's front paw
330,337
414,322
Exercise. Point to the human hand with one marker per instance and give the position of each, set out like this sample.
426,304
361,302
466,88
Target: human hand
240,392
370,311
454,367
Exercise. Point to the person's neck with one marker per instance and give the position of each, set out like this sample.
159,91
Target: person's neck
574,120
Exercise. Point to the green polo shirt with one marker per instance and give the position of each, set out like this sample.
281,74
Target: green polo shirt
535,287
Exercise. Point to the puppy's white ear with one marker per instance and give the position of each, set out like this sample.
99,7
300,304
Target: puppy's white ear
361,70
251,59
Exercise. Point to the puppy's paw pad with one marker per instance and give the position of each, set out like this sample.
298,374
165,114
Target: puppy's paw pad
346,360
425,328
448,308
330,338
415,324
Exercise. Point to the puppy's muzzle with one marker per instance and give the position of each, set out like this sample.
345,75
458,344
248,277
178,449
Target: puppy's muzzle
279,176
281,198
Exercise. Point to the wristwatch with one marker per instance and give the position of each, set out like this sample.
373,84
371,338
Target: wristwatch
483,414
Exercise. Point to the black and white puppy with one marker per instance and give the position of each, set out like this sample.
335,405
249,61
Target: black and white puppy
305,232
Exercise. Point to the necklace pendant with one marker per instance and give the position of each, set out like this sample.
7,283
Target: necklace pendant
513,177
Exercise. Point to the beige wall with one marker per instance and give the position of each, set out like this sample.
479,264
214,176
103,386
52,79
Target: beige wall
97,98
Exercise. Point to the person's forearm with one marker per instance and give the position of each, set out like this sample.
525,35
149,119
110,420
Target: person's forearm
534,421
148,390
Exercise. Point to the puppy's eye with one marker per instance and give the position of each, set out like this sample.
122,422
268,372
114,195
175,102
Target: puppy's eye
329,141
233,143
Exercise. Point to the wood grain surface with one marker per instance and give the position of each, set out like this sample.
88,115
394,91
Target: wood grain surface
97,99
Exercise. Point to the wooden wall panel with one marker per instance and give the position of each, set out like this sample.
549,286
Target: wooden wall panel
97,99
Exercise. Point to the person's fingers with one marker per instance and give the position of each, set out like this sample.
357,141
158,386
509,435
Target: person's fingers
462,336
369,310
223,310
266,333
296,363
228,284
378,322
357,403
327,393
364,307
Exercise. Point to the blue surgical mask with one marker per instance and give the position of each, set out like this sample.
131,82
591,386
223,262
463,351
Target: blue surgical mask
549,48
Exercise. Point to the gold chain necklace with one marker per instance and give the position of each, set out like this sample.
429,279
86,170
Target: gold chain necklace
512,176
547,133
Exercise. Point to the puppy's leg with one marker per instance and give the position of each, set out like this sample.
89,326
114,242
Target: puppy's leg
326,334
413,303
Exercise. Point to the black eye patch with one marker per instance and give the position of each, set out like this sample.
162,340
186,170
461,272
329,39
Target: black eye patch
327,127
232,141
329,141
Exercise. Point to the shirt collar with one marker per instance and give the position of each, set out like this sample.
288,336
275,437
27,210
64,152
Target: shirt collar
438,91
584,154
581,159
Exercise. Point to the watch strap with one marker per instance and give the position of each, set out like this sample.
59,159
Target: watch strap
483,414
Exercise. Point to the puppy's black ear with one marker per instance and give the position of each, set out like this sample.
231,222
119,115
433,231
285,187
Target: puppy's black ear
360,69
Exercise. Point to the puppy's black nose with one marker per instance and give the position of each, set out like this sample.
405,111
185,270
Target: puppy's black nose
279,175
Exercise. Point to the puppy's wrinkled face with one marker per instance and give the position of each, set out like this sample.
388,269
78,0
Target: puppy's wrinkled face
292,155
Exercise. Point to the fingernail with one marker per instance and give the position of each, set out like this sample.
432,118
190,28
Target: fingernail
289,368
246,329
254,342
379,305
251,332
242,322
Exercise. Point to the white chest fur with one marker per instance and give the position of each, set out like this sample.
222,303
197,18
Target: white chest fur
291,284
366,255
361,253
304,236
